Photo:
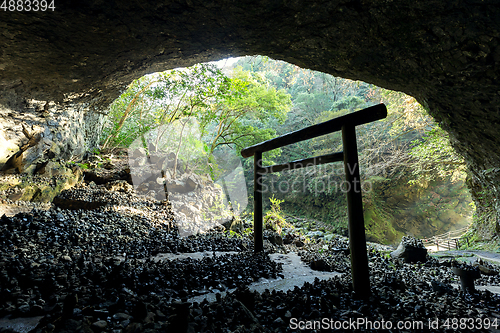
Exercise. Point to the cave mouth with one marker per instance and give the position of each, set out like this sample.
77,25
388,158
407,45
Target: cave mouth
60,69
79,57
432,205
109,265
404,199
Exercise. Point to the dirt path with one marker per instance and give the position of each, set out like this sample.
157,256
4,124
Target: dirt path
21,207
11,210
472,254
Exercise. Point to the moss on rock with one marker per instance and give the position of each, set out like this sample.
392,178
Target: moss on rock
38,186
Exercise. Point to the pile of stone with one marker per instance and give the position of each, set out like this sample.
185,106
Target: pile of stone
91,262
411,250
97,263
331,256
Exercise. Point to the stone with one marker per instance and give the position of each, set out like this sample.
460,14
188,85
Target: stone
177,186
275,239
99,325
69,304
74,204
119,185
485,270
120,316
193,182
108,166
134,328
24,309
237,225
441,288
410,253
150,317
141,161
298,243
315,234
189,210
139,152
35,188
140,310
320,265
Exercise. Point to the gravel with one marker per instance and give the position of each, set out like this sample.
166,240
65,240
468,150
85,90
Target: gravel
92,269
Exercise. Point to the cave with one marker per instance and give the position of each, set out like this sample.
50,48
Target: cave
60,68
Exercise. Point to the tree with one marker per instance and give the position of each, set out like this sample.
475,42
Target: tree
435,158
129,109
232,111
158,99
250,100
413,145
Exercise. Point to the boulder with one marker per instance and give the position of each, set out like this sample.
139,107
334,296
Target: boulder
177,186
182,186
193,182
120,186
273,237
485,268
410,250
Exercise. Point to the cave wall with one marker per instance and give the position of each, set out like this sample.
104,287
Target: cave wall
81,55
67,129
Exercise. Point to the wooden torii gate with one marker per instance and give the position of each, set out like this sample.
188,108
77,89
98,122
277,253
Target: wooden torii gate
347,124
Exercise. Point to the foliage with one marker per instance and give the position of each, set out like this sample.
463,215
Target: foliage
436,158
84,166
405,114
232,234
161,98
274,219
241,118
388,158
193,112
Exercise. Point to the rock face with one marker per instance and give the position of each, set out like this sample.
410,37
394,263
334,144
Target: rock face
64,130
81,55
39,185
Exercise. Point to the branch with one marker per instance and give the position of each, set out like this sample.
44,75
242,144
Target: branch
126,113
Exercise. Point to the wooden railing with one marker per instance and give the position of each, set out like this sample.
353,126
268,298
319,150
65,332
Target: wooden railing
347,124
449,240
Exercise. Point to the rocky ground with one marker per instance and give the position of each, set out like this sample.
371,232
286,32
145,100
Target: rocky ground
89,263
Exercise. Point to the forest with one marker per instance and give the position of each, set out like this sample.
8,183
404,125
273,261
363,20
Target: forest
413,181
